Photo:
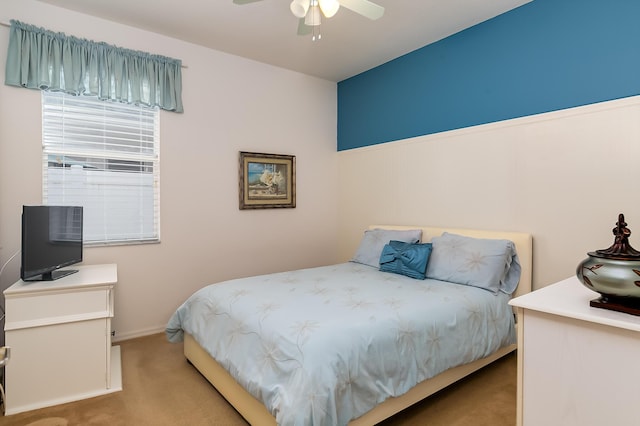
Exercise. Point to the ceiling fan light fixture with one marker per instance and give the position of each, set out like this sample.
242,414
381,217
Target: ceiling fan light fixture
329,7
299,8
313,16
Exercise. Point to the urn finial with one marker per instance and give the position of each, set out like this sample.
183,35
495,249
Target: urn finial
621,249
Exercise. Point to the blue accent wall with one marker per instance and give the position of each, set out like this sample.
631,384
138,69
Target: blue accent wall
543,56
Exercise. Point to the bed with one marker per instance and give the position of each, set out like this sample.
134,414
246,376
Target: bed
341,386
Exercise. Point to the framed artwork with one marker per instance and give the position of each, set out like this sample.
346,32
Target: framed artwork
267,181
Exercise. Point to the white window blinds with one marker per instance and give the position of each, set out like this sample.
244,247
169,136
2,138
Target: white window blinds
103,156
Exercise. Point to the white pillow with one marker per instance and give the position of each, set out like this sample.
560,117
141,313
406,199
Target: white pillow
374,240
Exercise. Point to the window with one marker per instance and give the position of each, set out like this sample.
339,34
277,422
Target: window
103,156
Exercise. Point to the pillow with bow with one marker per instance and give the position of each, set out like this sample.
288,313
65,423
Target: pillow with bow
405,259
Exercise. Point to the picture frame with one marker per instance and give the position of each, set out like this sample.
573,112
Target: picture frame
267,181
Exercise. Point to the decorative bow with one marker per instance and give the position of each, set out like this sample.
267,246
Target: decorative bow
390,254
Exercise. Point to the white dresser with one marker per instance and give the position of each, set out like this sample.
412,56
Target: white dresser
577,365
60,338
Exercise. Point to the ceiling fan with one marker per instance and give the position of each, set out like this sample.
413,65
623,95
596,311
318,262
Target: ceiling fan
309,12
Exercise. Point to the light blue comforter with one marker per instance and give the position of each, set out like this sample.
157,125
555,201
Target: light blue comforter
323,346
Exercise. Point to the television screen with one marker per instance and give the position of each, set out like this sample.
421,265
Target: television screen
51,239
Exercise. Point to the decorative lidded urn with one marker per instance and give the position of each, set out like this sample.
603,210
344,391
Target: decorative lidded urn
613,272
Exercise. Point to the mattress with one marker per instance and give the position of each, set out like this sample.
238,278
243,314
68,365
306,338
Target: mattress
325,345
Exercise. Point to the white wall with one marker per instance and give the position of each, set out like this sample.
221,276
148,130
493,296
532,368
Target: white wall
231,105
562,176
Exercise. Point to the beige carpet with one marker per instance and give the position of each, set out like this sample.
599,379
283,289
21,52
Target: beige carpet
161,388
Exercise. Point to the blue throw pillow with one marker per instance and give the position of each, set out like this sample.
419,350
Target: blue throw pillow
405,259
373,241
485,263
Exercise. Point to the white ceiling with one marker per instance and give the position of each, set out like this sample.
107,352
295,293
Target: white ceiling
266,30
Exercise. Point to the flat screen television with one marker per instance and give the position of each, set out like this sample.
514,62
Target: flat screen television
51,240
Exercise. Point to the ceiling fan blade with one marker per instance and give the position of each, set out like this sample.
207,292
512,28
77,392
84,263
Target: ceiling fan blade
245,1
303,29
364,8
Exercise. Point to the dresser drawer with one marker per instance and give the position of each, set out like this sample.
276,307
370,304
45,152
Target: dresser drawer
30,310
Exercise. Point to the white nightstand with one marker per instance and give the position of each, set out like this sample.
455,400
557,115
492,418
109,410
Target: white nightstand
577,365
60,338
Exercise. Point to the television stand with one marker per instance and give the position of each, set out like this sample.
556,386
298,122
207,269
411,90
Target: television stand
60,338
52,275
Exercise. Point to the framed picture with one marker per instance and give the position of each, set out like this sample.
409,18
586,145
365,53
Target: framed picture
267,181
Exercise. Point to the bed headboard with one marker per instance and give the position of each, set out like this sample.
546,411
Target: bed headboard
523,242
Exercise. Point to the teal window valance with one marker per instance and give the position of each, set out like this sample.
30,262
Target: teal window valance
41,59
